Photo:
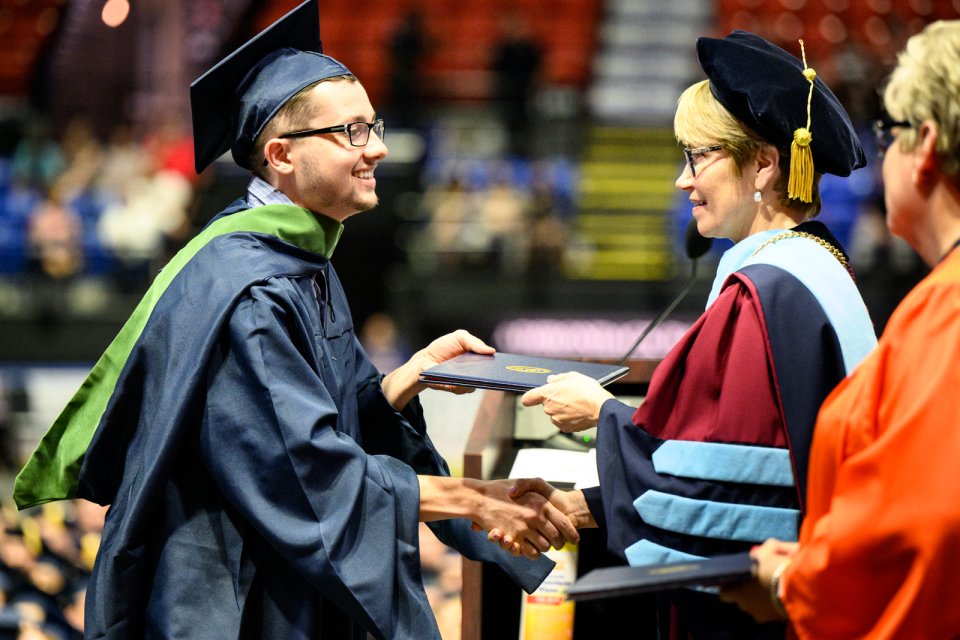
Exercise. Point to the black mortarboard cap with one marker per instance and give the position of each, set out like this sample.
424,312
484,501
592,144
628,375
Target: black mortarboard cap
233,101
768,90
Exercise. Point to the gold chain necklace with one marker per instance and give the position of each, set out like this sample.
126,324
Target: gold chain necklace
836,253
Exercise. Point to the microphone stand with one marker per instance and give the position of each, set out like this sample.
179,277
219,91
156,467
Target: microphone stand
695,245
666,311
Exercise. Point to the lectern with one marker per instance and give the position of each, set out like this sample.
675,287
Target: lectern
490,600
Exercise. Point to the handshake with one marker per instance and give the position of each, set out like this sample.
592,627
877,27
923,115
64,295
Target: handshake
525,517
550,517
561,511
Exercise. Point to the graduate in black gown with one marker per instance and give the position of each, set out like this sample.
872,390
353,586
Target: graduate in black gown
265,480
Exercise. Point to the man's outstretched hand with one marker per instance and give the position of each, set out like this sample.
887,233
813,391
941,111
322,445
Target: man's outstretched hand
403,383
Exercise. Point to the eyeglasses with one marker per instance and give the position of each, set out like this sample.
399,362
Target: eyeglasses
691,154
358,132
884,134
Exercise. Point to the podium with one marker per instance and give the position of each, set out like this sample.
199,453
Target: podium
489,453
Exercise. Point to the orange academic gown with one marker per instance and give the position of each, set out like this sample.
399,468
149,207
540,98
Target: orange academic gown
880,546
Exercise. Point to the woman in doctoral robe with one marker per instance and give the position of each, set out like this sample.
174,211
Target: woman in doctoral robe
714,459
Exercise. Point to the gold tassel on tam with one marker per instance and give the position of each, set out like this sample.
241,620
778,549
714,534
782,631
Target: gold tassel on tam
800,185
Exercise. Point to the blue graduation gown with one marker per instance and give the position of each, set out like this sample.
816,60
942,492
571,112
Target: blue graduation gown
261,486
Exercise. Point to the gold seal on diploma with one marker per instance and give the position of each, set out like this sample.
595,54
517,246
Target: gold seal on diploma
523,369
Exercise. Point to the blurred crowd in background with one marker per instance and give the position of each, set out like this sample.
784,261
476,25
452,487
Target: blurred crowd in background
521,177
45,561
77,205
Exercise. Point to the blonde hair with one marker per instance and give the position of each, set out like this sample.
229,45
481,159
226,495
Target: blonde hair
701,121
294,115
925,85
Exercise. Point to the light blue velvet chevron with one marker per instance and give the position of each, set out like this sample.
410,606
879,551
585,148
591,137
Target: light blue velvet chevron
725,462
719,520
644,552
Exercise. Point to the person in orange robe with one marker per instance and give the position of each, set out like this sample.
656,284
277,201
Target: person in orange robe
879,550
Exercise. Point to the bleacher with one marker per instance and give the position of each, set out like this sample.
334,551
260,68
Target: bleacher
826,26
460,36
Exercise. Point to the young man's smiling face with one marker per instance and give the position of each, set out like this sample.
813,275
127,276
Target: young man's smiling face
330,176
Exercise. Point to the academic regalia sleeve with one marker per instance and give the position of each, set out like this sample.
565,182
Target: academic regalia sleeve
701,468
345,520
879,549
407,439
594,499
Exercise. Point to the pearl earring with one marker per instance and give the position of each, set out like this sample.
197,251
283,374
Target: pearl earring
757,196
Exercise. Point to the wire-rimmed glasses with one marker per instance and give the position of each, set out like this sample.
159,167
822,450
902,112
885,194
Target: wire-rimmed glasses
692,154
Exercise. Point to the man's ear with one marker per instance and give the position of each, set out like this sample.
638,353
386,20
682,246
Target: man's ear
276,152
768,167
926,167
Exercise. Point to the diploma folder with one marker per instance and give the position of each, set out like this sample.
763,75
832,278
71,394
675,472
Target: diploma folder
513,372
611,582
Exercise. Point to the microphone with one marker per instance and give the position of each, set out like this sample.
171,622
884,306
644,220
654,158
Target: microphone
695,245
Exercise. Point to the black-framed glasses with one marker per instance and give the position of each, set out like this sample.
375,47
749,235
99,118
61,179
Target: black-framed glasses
692,154
884,135
358,132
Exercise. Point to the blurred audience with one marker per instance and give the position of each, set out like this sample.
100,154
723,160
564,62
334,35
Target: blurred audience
141,225
442,579
54,232
126,159
170,146
54,254
83,155
72,205
45,560
504,211
381,341
508,218
37,160
548,234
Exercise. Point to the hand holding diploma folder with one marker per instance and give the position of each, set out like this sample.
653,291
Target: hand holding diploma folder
611,582
513,372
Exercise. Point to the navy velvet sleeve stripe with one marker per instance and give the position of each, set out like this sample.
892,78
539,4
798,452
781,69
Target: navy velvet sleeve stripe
806,352
594,499
625,464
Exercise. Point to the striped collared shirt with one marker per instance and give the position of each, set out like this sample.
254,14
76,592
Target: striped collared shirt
260,192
